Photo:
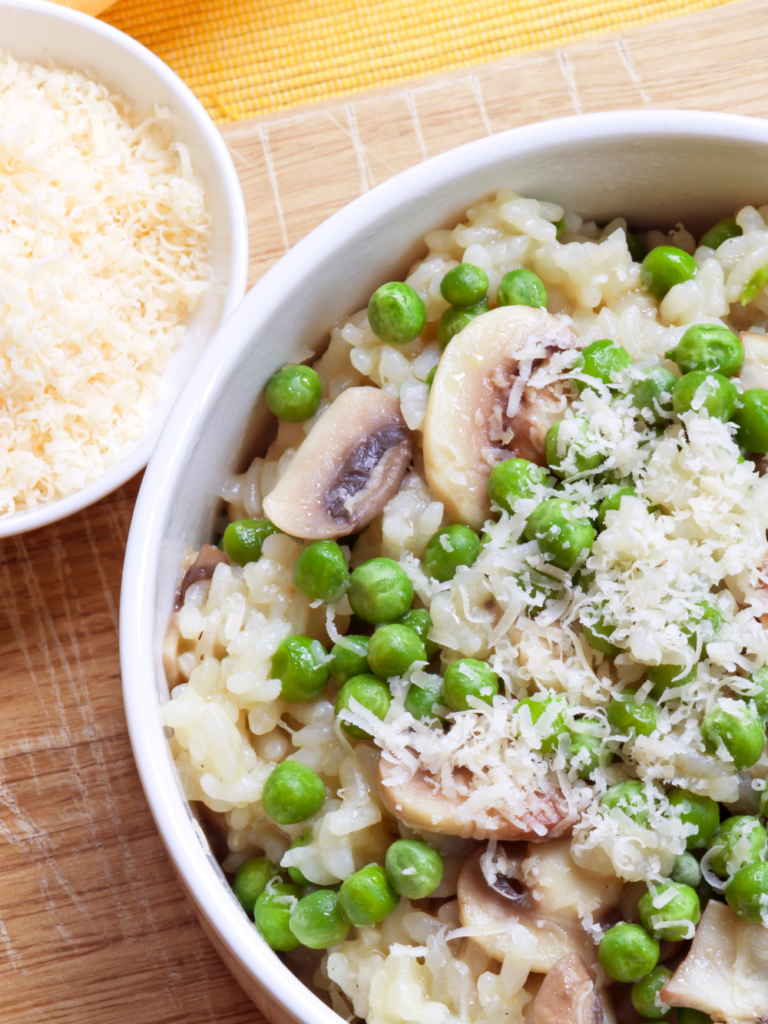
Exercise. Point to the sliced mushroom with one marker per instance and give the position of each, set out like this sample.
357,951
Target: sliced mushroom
754,369
568,995
475,410
556,924
346,470
203,568
423,802
726,971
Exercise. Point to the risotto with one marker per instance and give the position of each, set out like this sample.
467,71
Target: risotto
472,692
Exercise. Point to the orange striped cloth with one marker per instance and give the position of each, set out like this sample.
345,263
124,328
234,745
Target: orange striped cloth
248,57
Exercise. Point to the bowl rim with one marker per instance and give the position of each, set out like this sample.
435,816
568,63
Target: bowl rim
137,614
138,457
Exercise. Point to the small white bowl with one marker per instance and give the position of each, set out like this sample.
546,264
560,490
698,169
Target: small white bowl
45,32
655,167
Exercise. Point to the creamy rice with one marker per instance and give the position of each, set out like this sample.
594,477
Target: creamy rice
230,724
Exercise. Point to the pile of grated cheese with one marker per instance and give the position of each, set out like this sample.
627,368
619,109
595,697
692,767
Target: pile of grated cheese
105,238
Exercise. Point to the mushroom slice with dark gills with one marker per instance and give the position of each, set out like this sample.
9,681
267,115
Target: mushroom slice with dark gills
541,888
493,392
422,801
351,463
203,568
568,995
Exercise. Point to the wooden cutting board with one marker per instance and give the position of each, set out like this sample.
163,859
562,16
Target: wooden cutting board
93,923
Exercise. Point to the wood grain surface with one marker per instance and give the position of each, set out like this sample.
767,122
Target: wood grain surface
94,927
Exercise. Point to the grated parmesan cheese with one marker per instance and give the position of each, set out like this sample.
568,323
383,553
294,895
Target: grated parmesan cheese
105,236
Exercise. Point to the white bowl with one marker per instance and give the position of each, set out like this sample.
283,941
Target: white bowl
656,167
46,32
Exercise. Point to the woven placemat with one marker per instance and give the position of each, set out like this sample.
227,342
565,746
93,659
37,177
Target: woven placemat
249,57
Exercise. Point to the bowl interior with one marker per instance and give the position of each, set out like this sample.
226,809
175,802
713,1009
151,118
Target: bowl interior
656,168
47,33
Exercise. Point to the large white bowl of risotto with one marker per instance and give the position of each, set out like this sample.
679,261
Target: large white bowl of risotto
443,612
125,248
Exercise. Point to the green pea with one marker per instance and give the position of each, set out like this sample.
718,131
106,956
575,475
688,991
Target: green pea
449,549
465,285
396,313
598,635
645,993
321,571
686,870
292,793
601,360
671,922
585,753
584,579
421,699
293,394
636,248
742,840
539,589
627,952
251,879
759,696
349,657
559,228
756,284
393,649
420,620
367,897
747,892
711,347
764,803
652,395
244,539
631,798
430,377
369,692
566,448
414,869
628,716
535,707
705,625
751,417
467,678
456,318
380,591
703,389
693,809
521,288
613,502
559,532
301,665
317,922
295,874
739,729
664,267
512,480
685,1016
272,915
721,232
667,677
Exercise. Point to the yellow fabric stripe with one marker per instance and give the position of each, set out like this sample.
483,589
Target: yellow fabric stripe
249,57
